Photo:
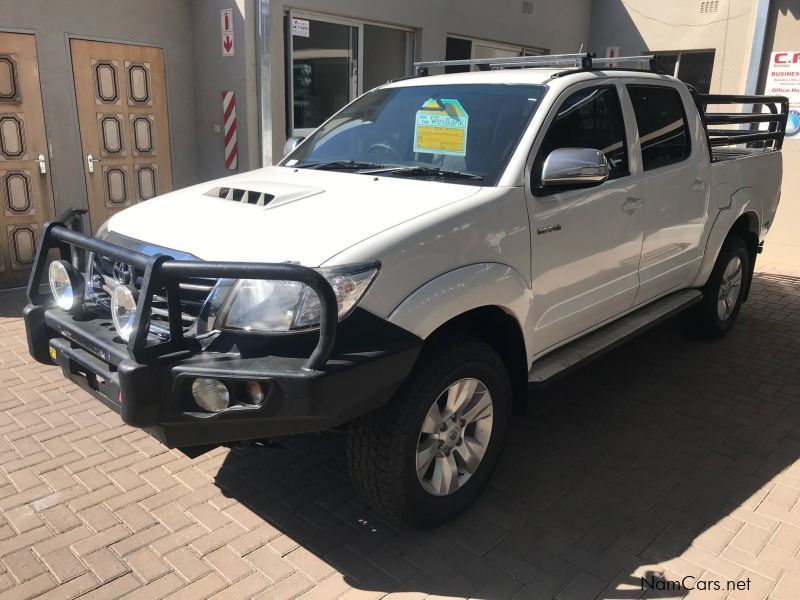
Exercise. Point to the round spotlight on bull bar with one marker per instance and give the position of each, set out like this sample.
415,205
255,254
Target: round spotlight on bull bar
66,284
123,310
211,394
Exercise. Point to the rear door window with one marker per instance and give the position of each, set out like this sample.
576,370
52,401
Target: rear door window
663,129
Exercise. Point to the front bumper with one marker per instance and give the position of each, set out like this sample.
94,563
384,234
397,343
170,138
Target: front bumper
362,373
312,380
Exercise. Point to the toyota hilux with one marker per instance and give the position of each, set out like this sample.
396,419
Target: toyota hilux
412,266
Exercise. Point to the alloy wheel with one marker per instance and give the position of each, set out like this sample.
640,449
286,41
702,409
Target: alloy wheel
454,437
729,289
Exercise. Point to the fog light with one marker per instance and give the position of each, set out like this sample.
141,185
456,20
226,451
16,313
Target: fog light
254,393
123,310
66,284
211,394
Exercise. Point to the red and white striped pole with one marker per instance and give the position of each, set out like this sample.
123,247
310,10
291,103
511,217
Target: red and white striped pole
229,112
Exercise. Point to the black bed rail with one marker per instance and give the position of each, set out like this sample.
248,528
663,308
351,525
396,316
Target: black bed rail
162,272
778,107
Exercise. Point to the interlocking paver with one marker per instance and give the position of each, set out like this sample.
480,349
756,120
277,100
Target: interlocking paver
669,456
23,564
146,565
105,565
63,564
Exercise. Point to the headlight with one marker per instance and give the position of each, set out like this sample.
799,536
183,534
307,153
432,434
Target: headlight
123,310
265,305
66,284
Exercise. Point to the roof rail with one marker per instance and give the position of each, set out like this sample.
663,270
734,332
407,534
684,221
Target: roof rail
585,61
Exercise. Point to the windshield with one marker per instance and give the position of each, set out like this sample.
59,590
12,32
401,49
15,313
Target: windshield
461,133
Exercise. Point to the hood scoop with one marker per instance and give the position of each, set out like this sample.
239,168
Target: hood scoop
263,194
240,195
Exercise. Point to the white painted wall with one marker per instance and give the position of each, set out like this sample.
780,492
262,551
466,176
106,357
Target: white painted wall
636,26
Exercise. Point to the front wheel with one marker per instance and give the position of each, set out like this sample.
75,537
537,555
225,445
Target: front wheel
425,456
724,291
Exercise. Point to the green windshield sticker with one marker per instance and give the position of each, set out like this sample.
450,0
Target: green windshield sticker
441,127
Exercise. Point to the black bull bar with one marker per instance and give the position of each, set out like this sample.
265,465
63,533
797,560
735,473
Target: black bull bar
162,273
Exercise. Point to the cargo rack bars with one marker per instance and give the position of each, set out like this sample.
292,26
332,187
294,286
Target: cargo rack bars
582,61
729,137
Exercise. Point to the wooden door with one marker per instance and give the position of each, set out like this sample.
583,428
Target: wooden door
122,113
25,192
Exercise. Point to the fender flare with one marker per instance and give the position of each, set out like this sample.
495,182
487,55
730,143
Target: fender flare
745,201
458,291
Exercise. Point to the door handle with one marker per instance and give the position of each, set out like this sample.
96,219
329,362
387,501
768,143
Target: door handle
90,160
632,204
42,164
698,185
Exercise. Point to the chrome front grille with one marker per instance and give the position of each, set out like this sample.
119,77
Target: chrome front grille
106,274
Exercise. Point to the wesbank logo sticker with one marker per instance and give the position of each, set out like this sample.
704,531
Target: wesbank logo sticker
441,127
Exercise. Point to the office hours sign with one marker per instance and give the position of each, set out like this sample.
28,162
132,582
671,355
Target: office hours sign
783,79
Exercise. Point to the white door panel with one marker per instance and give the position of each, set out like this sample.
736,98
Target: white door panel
586,266
586,272
676,198
675,217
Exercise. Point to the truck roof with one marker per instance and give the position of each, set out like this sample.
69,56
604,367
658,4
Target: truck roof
538,76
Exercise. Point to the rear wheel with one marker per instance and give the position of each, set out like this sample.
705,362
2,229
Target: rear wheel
724,292
425,456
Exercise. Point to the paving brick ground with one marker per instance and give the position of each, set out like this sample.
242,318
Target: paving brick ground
667,458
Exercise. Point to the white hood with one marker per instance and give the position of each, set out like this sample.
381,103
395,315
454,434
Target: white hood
312,216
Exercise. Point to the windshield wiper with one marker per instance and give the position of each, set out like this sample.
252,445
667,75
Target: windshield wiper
342,164
429,172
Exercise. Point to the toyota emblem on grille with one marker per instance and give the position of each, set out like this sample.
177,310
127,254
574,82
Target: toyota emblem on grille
123,274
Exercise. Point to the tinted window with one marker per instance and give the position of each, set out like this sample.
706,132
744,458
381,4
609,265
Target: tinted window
380,127
590,118
663,131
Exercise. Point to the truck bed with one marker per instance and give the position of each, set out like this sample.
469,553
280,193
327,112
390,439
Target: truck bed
755,172
732,153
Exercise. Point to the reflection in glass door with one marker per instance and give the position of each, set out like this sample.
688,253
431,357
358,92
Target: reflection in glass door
324,73
331,60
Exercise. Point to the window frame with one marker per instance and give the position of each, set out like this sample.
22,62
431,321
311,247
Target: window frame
679,54
521,50
539,190
686,127
357,86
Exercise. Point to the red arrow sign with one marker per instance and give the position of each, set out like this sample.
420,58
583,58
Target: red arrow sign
227,43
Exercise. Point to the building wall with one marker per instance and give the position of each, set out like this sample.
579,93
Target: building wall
783,243
214,73
149,22
558,25
637,26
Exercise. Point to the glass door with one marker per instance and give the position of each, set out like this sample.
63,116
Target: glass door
324,73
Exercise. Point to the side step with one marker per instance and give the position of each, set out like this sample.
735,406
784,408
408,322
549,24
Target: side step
600,341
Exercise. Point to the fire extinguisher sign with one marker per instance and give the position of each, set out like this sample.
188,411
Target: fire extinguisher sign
226,29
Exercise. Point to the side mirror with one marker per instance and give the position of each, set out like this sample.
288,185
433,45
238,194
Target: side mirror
575,167
292,143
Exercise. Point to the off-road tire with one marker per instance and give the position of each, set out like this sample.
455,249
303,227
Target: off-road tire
382,445
703,319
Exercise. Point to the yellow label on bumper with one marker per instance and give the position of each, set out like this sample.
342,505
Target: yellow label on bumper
52,353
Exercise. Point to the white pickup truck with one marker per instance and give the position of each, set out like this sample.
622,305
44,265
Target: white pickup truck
408,269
